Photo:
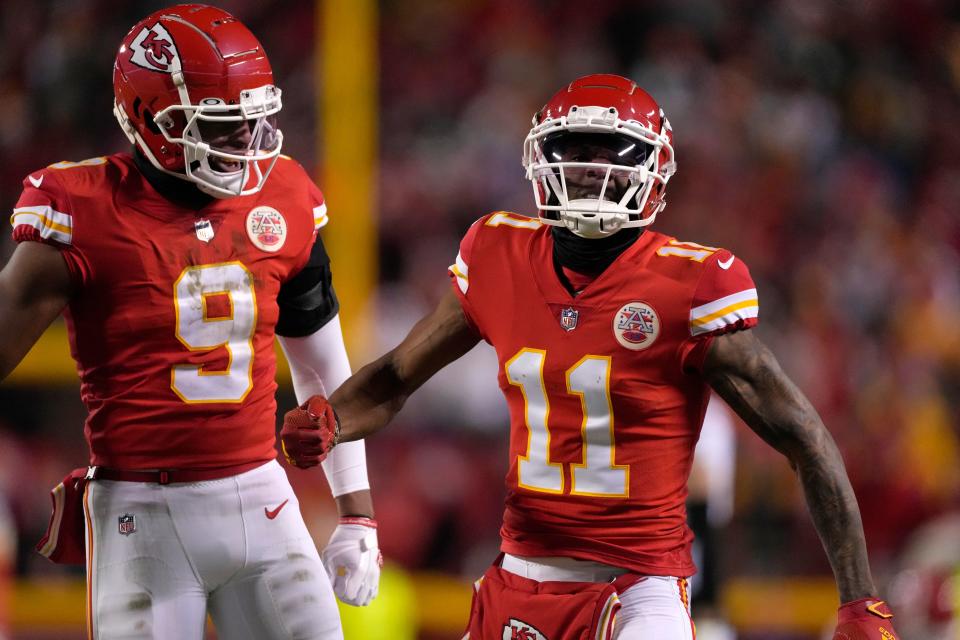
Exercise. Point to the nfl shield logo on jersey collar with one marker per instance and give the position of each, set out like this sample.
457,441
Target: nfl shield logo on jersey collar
128,524
204,230
568,318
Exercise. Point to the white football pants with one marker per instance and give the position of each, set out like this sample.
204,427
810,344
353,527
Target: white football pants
656,607
195,547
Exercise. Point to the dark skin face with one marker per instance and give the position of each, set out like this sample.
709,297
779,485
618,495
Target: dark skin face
586,182
232,137
595,148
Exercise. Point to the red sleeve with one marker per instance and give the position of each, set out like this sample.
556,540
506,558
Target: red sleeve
459,273
319,205
725,300
308,201
43,213
318,209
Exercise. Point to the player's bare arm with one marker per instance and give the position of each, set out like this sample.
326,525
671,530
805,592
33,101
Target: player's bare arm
35,286
356,504
748,377
368,401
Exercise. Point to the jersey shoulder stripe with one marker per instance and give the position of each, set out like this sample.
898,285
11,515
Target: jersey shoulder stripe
727,310
460,270
494,240
50,223
320,218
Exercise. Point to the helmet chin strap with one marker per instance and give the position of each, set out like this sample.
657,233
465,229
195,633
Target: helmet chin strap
590,256
232,182
594,219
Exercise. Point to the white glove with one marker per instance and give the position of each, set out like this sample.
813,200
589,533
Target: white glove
353,560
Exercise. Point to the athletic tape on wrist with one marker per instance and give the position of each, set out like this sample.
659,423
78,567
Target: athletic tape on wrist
361,520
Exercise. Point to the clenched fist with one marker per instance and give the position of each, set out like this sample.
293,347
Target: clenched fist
865,619
309,432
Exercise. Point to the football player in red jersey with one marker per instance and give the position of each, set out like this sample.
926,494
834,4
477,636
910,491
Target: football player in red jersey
609,337
175,266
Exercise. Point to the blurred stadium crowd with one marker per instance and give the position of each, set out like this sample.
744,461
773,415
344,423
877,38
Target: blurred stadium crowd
818,140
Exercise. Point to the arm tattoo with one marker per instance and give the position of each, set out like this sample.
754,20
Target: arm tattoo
748,377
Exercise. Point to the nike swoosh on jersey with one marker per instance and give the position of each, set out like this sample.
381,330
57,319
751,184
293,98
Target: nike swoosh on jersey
273,514
36,181
725,264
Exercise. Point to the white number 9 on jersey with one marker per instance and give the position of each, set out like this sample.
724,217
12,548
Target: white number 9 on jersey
203,328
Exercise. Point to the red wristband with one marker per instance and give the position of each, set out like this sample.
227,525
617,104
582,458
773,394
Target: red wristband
361,520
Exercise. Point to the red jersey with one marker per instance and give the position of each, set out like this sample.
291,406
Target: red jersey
603,388
172,319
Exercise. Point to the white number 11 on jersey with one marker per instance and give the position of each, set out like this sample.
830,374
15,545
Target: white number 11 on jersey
596,475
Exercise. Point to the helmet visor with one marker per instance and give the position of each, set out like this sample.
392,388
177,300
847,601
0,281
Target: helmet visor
607,148
594,166
231,142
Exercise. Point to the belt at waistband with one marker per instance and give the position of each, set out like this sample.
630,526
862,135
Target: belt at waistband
168,476
550,569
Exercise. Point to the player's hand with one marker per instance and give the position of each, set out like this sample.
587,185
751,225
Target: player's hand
353,561
309,432
865,619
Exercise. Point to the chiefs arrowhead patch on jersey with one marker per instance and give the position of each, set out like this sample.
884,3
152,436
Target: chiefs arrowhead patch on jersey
153,49
636,326
267,228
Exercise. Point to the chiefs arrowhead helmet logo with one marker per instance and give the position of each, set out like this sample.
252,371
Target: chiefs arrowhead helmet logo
153,49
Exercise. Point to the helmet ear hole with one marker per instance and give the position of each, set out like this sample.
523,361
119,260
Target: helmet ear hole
148,121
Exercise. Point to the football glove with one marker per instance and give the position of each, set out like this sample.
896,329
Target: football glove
353,560
865,619
309,432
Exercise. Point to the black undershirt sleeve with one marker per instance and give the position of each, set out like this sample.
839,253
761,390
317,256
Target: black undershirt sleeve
307,301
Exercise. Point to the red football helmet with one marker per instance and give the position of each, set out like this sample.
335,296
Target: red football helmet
599,156
194,92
